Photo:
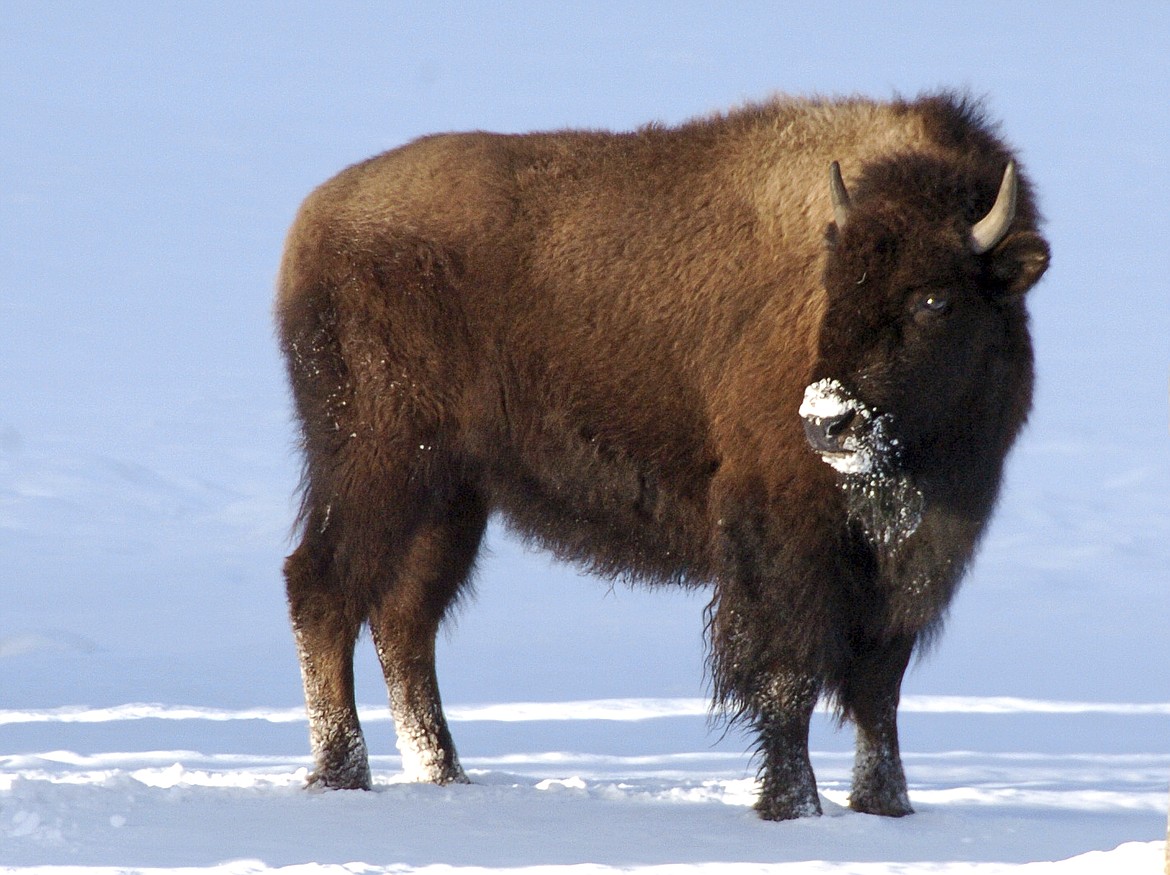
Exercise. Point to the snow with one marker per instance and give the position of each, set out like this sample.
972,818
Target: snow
171,808
826,399
151,716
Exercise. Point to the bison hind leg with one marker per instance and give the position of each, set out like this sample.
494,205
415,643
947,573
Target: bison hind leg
435,569
326,630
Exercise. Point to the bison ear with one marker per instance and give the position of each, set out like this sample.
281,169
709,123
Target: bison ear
1018,262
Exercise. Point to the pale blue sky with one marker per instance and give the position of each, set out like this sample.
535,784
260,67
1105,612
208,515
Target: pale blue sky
153,153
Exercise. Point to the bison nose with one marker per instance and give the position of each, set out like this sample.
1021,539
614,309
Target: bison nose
826,434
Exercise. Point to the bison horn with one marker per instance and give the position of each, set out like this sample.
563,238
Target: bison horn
990,229
839,195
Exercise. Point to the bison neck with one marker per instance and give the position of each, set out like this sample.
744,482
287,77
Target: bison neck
922,533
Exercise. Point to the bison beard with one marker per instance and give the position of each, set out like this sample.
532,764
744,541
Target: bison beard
879,495
686,356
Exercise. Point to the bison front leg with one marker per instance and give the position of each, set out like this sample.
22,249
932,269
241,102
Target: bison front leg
870,697
788,787
767,692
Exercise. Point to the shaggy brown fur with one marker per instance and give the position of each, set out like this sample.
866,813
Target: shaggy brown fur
606,338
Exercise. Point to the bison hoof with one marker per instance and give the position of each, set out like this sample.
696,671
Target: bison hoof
347,779
788,809
441,770
456,776
887,806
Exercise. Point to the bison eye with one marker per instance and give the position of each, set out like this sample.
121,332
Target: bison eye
932,304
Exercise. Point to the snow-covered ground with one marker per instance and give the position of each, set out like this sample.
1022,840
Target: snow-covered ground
151,156
662,797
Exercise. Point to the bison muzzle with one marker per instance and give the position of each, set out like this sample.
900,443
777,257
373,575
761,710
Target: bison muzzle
780,352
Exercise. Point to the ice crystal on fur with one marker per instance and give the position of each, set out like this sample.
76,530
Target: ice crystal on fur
882,499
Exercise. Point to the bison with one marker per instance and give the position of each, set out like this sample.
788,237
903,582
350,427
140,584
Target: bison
781,351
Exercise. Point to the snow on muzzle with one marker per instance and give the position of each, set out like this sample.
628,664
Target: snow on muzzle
880,494
847,434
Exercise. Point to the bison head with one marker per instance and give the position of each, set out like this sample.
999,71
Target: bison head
924,366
